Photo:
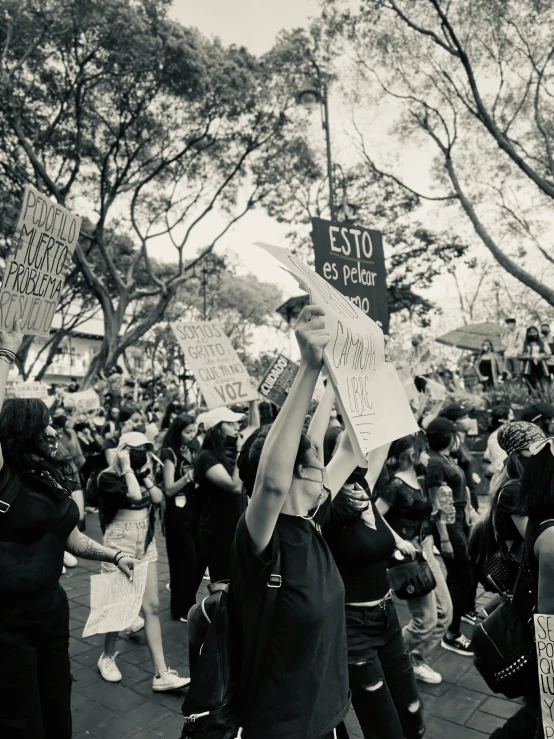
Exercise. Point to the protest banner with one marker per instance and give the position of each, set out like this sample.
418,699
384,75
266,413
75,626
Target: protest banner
85,401
45,239
278,380
221,376
115,601
544,639
352,260
369,392
27,390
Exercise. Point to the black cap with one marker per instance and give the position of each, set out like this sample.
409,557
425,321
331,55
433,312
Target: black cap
510,320
455,411
533,413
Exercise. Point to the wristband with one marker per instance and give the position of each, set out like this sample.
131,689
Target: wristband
7,356
126,472
116,555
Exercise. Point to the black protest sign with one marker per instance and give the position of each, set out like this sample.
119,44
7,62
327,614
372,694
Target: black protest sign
352,260
278,380
45,239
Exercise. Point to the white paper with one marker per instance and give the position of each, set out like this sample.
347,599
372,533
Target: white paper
115,600
221,376
371,397
85,401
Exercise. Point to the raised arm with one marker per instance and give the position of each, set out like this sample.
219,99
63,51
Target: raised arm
9,345
320,420
276,468
253,420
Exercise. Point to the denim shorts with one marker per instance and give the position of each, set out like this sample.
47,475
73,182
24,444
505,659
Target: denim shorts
130,538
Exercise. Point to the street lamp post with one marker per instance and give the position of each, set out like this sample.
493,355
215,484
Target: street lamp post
204,284
312,94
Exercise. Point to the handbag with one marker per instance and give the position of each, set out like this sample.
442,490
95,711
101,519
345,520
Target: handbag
411,578
504,644
499,571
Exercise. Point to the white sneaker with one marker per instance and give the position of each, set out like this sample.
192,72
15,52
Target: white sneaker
425,673
169,680
108,669
168,587
137,625
206,574
63,570
69,560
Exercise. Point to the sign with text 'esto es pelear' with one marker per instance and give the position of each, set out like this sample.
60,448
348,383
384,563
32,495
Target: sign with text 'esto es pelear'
373,403
221,376
351,258
278,381
45,239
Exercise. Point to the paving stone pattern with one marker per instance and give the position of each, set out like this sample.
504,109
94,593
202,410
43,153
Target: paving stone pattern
461,707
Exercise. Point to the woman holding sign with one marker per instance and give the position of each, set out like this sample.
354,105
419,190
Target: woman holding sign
38,522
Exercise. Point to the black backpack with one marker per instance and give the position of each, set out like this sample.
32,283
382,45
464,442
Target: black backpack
213,707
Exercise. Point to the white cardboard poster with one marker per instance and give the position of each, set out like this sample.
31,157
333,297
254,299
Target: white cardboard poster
45,239
221,376
371,397
544,639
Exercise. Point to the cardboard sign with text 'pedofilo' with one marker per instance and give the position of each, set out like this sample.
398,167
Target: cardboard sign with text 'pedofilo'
45,239
221,376
371,398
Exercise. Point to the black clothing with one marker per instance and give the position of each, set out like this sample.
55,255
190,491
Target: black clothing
303,686
112,492
508,504
410,509
220,512
444,470
186,562
33,536
35,678
377,654
361,554
460,579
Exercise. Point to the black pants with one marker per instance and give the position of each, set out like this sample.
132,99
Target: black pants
381,675
35,679
186,562
460,579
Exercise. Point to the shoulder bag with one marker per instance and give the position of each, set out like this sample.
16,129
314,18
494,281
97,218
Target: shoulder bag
411,578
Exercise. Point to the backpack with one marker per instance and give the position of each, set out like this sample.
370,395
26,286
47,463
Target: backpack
212,707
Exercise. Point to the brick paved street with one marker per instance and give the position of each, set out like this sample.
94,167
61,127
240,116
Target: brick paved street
460,708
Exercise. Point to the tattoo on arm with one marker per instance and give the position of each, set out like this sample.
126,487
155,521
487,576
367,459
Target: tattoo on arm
85,547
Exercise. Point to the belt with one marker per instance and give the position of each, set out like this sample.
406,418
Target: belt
374,604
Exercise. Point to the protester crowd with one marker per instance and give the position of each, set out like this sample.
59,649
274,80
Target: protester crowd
280,505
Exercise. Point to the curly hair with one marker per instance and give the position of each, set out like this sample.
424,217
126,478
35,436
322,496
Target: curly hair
23,422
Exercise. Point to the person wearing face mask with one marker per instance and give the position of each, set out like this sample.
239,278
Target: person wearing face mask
186,564
130,419
489,366
407,507
38,523
220,496
443,471
128,494
534,356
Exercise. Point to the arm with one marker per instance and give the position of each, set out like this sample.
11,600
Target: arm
85,547
11,343
320,420
276,468
156,495
433,414
219,476
172,487
544,552
253,420
128,475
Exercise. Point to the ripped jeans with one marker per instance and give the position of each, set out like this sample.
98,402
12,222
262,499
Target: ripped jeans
382,682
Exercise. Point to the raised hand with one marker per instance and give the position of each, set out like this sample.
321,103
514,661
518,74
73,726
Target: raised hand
11,341
312,336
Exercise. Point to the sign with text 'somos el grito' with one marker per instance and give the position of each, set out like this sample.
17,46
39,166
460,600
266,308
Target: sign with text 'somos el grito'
45,239
351,258
278,380
369,392
221,376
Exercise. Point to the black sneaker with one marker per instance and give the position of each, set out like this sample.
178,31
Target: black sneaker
470,618
458,644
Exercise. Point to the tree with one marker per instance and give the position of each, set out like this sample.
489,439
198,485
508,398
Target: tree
474,79
146,127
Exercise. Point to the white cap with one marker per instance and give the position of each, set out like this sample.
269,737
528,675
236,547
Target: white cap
218,415
134,439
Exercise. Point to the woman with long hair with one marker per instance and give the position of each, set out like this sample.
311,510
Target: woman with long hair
220,496
302,688
406,506
186,564
489,366
535,352
38,523
127,495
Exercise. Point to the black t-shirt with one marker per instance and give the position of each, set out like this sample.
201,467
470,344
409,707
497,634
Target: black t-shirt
184,468
303,686
410,509
33,536
440,470
361,554
220,508
113,489
508,505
